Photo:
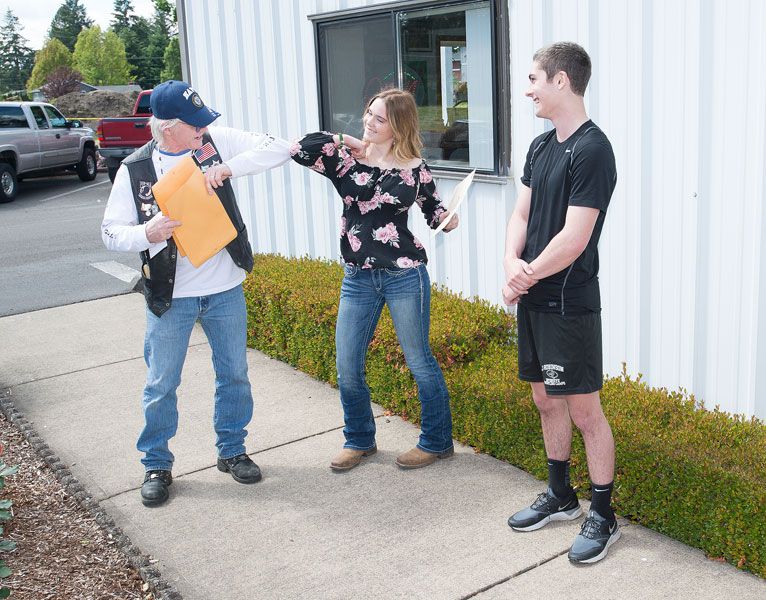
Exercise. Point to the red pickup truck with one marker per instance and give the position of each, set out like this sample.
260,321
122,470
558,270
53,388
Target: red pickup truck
120,136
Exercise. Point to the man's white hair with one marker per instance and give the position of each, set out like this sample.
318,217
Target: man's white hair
158,127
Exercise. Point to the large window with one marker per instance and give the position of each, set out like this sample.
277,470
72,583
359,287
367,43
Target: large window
441,52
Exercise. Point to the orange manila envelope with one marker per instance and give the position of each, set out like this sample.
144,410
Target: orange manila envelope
205,227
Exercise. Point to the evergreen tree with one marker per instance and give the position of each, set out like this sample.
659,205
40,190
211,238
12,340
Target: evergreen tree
162,27
67,23
16,58
165,11
122,17
52,56
100,57
135,38
172,69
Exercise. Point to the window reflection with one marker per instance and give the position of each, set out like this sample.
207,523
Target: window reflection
449,48
441,54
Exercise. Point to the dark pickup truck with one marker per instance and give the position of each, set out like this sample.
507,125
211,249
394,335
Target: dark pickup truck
120,136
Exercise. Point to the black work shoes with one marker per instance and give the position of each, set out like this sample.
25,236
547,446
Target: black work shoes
242,469
154,490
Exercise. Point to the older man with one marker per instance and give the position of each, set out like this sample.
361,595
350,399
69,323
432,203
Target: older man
179,294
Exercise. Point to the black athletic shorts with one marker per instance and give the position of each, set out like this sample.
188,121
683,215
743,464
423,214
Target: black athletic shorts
563,352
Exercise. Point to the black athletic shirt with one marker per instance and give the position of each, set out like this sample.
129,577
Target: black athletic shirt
580,171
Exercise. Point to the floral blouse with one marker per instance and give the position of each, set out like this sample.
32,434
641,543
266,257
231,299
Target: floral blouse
373,228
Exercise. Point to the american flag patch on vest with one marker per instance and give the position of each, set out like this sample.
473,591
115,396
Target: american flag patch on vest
204,153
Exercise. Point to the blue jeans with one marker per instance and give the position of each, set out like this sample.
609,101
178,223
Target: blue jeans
407,293
224,320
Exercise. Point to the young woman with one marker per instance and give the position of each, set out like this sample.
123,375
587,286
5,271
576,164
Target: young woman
379,178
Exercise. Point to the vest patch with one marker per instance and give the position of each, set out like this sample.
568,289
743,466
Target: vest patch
149,209
145,191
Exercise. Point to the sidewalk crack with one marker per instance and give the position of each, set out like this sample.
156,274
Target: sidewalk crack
205,468
514,575
109,364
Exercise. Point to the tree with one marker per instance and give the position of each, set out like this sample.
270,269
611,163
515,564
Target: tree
146,41
70,19
100,57
172,60
137,52
52,56
149,48
162,27
134,32
165,10
16,58
62,81
121,17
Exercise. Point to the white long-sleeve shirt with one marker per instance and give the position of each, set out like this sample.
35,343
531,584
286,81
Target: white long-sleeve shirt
246,154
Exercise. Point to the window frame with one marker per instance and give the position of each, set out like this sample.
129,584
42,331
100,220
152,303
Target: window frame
501,106
36,120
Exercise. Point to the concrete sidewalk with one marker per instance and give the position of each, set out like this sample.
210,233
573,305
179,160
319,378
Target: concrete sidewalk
76,372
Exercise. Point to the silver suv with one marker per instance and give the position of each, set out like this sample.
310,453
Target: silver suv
35,138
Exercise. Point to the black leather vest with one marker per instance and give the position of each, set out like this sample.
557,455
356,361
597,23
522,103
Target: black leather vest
159,272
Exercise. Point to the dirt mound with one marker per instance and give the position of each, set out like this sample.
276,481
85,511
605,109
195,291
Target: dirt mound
99,103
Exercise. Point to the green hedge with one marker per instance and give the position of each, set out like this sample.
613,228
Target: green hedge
698,476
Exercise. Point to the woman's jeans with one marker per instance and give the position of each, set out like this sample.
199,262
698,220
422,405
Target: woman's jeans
407,293
224,320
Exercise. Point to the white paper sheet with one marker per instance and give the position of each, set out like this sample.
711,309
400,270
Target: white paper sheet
458,195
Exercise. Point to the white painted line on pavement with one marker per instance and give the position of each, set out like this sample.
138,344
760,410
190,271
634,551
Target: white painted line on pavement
118,270
79,189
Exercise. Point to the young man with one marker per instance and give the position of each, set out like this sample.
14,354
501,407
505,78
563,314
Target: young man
177,293
551,268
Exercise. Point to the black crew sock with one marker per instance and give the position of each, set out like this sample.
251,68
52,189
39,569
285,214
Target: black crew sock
601,500
558,478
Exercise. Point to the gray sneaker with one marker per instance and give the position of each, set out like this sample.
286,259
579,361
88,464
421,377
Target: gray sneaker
595,537
546,508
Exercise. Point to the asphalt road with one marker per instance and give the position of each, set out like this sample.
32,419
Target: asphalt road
50,243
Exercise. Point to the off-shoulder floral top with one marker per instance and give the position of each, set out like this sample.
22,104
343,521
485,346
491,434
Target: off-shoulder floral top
373,228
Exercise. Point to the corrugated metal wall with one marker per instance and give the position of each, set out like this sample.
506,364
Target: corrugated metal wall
678,88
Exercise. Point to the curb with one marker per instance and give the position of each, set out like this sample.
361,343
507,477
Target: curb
141,562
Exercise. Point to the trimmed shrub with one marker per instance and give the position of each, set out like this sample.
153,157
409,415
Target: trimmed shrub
698,476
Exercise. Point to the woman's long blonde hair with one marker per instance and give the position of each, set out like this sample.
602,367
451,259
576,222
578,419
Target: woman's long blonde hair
402,114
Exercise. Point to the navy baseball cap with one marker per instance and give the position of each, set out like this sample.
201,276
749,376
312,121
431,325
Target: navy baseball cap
178,100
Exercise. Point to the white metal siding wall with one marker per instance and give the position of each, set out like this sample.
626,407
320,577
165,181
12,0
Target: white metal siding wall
677,89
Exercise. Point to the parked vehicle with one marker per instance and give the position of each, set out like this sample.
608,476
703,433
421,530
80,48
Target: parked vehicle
118,137
36,139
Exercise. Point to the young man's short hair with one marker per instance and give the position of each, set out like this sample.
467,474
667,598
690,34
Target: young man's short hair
568,57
